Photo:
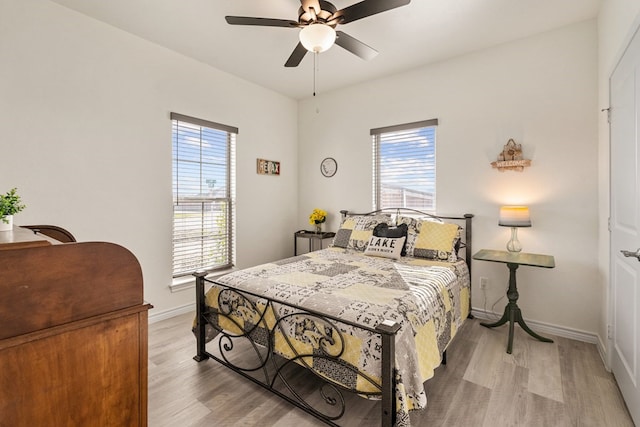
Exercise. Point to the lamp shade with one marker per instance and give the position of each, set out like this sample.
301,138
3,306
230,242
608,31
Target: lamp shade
317,37
514,216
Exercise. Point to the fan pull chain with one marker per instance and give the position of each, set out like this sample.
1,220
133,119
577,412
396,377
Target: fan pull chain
315,58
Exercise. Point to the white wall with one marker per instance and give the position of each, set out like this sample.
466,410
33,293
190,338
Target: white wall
617,21
541,91
87,141
86,138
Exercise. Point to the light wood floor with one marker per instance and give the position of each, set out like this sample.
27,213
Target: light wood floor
540,384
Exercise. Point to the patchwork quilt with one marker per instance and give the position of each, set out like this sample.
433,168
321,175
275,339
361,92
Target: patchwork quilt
428,299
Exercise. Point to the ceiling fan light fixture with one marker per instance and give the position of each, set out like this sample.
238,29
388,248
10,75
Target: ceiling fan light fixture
317,37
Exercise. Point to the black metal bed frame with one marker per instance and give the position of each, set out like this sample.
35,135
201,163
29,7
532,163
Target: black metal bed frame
328,343
326,347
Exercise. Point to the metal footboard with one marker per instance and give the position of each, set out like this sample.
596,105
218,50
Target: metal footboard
265,321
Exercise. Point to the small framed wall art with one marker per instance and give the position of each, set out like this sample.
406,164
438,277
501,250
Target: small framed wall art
268,167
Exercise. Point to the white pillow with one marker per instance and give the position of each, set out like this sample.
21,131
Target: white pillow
386,247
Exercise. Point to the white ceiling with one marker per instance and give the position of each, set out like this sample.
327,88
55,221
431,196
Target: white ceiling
422,32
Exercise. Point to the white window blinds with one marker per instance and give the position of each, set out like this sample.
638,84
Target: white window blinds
404,166
203,194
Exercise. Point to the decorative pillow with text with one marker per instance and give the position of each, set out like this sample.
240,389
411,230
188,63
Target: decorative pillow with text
383,230
386,247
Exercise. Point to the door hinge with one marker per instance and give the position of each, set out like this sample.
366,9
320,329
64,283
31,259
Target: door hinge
608,110
609,332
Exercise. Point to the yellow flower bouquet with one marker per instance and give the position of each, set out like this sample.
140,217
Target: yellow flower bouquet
317,217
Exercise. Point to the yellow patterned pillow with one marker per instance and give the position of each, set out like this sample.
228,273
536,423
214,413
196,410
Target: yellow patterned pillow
432,239
436,240
355,231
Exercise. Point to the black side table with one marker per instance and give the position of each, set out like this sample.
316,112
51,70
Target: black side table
313,237
512,313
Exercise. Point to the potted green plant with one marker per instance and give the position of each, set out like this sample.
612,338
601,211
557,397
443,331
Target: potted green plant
10,204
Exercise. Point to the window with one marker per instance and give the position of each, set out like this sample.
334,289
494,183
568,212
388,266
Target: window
404,166
203,195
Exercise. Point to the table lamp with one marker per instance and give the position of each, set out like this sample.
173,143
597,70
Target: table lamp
514,217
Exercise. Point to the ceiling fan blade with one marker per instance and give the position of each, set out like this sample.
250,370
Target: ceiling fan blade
263,22
367,8
296,56
355,46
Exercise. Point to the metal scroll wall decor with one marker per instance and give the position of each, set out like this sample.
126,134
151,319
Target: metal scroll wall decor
511,158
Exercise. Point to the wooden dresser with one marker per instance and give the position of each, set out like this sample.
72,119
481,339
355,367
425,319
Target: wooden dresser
73,333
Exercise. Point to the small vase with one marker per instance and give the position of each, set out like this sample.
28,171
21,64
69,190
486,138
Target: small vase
319,228
4,226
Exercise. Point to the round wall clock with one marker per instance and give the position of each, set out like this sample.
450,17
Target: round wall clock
329,167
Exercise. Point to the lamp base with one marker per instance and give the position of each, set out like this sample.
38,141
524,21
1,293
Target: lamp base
514,245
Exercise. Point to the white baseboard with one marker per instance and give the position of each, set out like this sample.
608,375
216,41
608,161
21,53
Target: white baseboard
602,349
547,328
172,312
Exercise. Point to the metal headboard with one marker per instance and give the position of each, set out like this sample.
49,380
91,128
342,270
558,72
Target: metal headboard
467,218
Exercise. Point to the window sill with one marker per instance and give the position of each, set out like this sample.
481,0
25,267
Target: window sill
189,282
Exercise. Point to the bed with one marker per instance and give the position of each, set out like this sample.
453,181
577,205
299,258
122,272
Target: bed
372,314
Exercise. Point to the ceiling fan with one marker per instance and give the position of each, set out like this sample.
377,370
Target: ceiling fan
317,20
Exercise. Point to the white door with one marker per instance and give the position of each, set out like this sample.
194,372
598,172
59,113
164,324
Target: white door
625,225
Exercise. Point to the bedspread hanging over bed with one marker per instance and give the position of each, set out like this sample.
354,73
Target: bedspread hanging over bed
429,299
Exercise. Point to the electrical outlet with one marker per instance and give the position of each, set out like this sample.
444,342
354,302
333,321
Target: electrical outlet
484,283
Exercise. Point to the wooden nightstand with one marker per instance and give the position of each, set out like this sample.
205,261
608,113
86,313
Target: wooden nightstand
512,313
312,237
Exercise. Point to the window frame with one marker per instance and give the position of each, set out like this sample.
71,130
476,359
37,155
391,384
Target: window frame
377,136
228,200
